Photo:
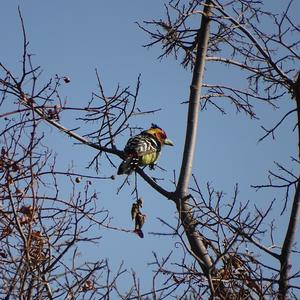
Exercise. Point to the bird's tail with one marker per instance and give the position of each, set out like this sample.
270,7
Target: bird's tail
128,166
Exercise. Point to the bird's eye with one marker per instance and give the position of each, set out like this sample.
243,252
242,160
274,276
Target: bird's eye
163,135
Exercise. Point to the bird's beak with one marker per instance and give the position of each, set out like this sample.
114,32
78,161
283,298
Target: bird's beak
168,142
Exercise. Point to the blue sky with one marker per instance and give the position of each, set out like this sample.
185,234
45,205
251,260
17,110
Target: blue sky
72,38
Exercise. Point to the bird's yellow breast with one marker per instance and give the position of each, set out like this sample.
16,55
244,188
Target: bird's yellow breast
149,159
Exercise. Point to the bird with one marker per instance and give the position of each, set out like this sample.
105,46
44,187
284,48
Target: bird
143,149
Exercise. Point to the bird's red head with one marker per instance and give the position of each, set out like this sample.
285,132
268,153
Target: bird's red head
159,134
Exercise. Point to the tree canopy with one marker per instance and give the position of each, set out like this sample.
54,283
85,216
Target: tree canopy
217,218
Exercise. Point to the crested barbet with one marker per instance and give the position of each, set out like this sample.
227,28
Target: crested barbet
143,149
